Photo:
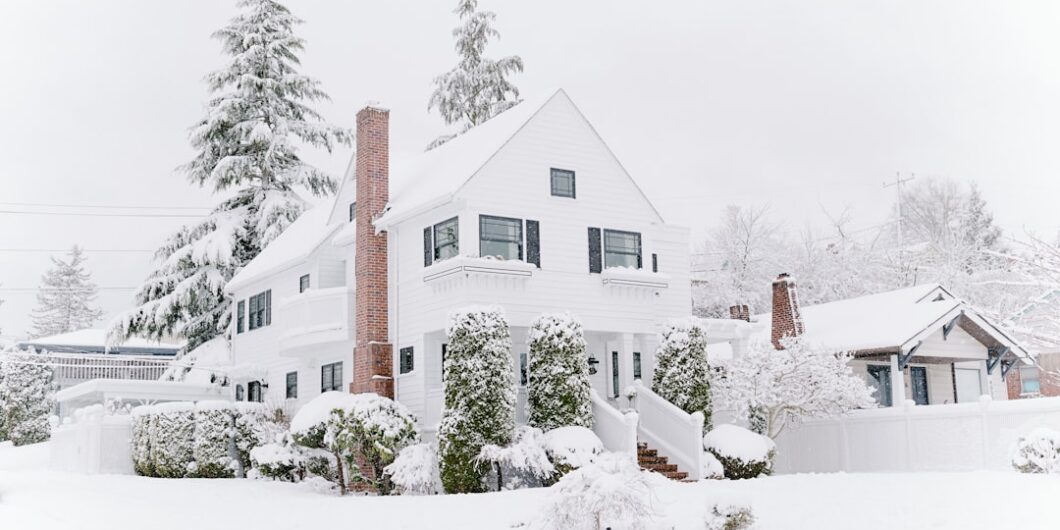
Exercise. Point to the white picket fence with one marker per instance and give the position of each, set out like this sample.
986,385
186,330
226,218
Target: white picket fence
955,437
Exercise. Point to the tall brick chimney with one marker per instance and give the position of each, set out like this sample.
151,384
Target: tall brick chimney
372,352
787,320
740,312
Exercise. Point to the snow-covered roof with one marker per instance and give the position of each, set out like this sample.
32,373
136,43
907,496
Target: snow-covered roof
433,177
887,321
94,341
293,246
99,390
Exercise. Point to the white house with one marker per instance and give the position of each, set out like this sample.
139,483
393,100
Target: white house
530,211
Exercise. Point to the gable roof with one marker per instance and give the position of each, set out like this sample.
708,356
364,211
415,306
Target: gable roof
95,341
293,246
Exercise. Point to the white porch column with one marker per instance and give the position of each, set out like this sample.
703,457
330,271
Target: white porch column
897,383
984,380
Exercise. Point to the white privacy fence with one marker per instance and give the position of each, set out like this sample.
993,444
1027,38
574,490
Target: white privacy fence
616,429
675,433
958,437
93,442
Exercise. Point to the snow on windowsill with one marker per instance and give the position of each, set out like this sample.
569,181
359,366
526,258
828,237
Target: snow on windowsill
477,265
634,277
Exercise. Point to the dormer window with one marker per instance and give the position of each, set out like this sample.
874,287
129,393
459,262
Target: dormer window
562,183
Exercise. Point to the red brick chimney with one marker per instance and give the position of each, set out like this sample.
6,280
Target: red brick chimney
787,320
740,312
372,351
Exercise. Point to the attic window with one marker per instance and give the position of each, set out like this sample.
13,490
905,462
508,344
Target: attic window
562,183
353,211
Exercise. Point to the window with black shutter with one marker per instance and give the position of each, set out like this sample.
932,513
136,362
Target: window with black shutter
268,307
239,392
241,316
446,239
303,283
622,249
254,391
533,243
331,377
405,359
595,255
428,247
636,365
500,237
260,310
292,385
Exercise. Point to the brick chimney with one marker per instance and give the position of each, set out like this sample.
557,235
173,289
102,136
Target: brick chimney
787,320
372,352
740,312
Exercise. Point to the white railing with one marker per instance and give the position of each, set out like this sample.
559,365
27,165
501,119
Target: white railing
616,429
675,433
315,317
69,369
954,437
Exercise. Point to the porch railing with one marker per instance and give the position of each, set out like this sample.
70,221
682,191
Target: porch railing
616,429
71,368
675,433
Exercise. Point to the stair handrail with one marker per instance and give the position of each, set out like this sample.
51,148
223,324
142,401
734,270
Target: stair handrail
675,433
615,428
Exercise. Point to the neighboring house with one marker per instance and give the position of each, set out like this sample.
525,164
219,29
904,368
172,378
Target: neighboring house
530,211
83,355
920,343
1039,380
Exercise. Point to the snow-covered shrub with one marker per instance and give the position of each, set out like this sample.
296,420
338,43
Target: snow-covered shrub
479,396
173,439
213,435
415,470
26,398
279,460
711,467
572,447
612,492
558,382
249,430
142,429
682,375
730,518
778,388
742,453
1038,452
523,463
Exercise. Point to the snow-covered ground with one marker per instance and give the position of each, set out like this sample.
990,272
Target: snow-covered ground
31,497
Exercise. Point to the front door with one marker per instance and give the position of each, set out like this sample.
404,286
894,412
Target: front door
880,382
918,375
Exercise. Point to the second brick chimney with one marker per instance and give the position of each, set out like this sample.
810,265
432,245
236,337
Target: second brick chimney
740,312
787,320
372,353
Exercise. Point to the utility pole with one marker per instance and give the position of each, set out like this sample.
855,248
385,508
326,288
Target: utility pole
897,184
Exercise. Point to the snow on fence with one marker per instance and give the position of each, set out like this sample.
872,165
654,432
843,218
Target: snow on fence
675,433
954,437
93,442
616,429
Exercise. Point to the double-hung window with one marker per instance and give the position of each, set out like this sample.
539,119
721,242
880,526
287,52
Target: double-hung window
622,249
446,239
406,359
500,237
1029,380
260,310
254,391
331,377
292,385
562,183
241,309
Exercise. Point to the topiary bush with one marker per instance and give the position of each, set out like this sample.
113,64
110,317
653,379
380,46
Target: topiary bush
142,430
682,375
1038,452
173,439
742,453
249,430
213,435
558,383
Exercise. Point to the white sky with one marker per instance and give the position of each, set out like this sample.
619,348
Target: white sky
800,104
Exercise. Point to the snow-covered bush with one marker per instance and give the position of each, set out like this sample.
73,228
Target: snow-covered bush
783,387
213,432
572,447
142,429
26,398
249,430
1038,452
742,453
612,492
415,470
730,518
711,466
558,382
523,463
279,460
682,375
173,439
479,396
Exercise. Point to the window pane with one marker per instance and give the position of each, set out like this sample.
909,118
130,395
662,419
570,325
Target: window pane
622,249
292,385
501,237
446,239
562,183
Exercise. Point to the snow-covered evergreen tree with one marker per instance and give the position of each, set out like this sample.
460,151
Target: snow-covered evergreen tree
247,140
787,386
479,396
477,88
65,300
682,375
558,379
26,398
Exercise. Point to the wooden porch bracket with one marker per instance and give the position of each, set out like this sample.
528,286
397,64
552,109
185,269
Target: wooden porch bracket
1006,366
993,361
948,327
903,359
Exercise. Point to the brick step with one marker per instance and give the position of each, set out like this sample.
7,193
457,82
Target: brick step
661,468
676,475
649,460
651,453
644,460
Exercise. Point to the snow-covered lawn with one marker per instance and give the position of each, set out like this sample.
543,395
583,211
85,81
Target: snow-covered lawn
32,497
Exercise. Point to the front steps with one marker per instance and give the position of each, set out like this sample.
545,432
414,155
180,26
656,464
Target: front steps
650,460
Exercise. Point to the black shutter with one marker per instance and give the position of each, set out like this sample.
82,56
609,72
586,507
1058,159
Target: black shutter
268,307
655,262
533,243
428,248
595,256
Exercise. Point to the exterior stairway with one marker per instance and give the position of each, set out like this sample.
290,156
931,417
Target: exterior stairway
649,459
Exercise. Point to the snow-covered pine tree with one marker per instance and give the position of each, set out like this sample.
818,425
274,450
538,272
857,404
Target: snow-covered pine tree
248,140
558,379
64,303
26,398
682,375
479,396
477,88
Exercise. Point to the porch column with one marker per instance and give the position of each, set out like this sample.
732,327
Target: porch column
984,380
897,383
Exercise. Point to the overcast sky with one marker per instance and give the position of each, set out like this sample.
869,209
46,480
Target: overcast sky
802,105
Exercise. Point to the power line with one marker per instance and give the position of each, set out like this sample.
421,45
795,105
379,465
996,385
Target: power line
108,206
92,214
